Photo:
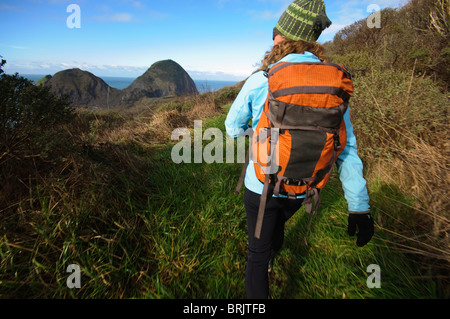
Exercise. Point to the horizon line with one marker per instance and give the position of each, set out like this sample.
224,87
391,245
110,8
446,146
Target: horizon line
123,77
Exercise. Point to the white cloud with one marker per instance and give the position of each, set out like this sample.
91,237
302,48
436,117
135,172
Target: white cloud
121,17
264,15
115,17
156,15
135,14
216,76
50,67
275,14
14,46
335,27
137,4
209,72
221,3
107,14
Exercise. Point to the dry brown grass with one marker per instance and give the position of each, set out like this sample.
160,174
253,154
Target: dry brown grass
164,122
146,125
401,122
421,217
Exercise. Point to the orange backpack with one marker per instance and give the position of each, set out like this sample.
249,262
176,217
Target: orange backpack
301,131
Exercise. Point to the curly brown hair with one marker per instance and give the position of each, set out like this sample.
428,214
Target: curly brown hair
289,46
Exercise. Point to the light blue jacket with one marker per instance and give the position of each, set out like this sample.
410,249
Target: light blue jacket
249,104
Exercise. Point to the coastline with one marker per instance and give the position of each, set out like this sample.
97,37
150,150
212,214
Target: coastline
120,83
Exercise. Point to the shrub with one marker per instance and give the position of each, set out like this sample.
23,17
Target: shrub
226,95
31,129
401,123
28,116
417,34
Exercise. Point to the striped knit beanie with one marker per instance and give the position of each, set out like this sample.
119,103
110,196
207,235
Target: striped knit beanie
303,20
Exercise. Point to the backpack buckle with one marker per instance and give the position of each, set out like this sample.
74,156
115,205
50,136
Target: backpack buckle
294,182
337,143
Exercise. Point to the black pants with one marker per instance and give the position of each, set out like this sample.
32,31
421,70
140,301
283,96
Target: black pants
278,211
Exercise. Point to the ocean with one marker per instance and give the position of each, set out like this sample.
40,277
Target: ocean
120,83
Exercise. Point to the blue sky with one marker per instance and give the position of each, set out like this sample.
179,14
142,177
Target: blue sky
211,39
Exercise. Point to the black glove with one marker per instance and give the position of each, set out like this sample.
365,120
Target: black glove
365,227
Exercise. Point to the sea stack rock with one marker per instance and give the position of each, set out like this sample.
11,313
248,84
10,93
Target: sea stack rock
83,89
163,78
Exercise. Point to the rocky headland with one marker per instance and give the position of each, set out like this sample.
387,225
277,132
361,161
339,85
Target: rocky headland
84,89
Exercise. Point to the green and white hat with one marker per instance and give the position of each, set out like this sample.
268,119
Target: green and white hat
303,20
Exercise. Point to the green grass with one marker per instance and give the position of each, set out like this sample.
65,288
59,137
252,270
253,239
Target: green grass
332,266
166,231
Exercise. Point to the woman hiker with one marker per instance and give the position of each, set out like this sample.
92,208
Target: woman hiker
294,40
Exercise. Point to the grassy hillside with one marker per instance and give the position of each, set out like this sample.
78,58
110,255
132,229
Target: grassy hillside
100,190
140,226
416,35
400,112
